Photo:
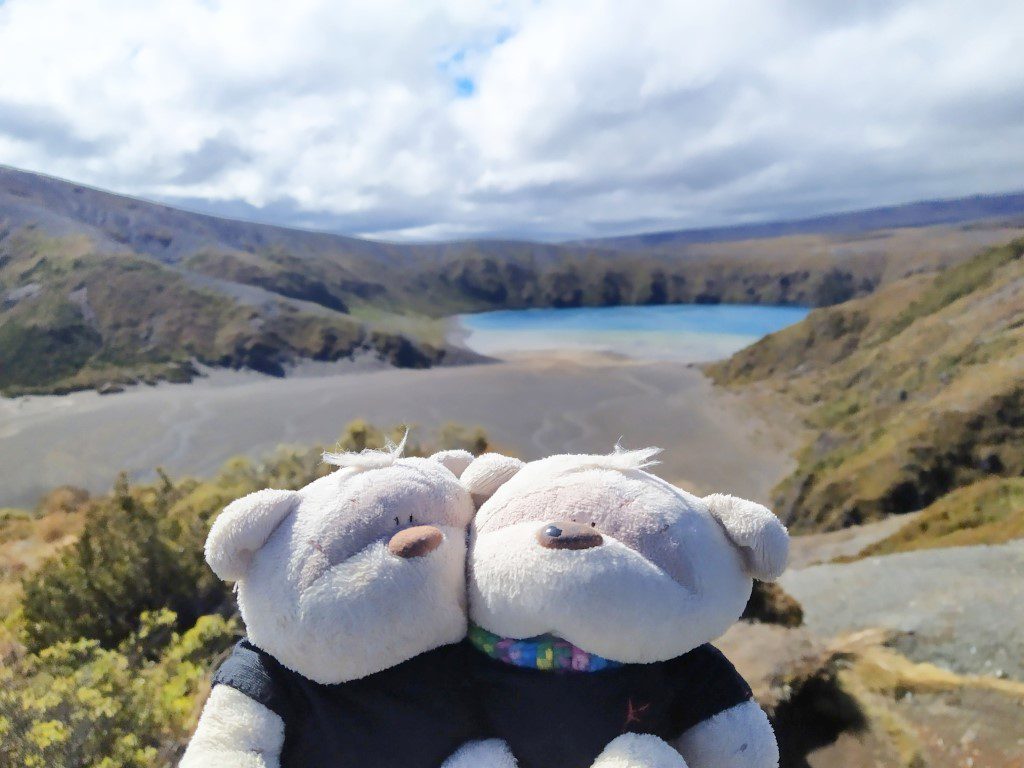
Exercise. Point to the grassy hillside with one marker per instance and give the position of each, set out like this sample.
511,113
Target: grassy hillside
74,318
913,392
98,288
990,511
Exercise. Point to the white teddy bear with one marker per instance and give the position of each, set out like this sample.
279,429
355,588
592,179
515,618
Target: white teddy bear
595,589
352,591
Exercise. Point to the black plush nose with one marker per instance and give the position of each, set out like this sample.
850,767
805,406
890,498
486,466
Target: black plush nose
415,542
568,535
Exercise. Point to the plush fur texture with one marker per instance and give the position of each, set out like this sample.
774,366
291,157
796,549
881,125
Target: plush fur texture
760,534
235,732
324,596
740,737
456,460
492,753
243,527
487,473
667,577
673,572
637,750
319,590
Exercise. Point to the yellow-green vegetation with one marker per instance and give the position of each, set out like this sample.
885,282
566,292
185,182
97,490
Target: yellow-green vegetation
891,710
990,511
878,679
106,646
77,703
913,392
429,330
28,539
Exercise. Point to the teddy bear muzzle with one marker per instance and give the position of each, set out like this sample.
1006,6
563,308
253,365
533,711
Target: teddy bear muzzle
417,541
566,534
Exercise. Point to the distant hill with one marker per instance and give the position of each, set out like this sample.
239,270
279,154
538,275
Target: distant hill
913,393
98,288
919,214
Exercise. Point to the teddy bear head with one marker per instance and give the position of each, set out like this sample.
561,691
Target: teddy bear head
359,571
598,552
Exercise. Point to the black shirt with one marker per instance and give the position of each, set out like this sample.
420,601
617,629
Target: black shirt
566,719
414,715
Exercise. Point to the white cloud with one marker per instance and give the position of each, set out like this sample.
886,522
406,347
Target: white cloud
555,118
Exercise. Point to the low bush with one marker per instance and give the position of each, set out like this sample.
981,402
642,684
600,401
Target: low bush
77,703
141,548
120,629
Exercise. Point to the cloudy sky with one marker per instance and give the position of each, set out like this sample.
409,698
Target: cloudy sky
546,119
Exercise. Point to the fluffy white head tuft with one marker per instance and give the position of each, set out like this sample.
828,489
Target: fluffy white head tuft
369,458
621,459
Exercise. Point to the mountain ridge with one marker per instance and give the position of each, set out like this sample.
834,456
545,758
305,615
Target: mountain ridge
113,289
919,213
914,213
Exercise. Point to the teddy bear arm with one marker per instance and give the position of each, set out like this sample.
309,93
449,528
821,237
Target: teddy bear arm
235,731
639,750
489,753
739,737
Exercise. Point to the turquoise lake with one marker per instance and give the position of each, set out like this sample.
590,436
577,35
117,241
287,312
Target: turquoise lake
679,332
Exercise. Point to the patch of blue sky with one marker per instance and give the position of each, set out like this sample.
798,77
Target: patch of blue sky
456,63
502,35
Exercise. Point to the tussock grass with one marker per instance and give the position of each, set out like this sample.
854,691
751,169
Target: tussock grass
914,391
990,511
877,678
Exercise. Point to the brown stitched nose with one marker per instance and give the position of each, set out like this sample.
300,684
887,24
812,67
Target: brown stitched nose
415,542
568,535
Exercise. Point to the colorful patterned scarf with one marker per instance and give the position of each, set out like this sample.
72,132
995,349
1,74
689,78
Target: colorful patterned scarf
544,652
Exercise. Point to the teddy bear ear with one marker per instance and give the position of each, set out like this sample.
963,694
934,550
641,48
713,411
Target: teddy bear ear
456,460
243,527
759,534
487,474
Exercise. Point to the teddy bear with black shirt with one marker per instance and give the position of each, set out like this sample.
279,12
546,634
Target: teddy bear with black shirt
352,591
595,591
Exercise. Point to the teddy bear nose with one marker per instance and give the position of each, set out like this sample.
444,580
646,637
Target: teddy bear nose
568,535
415,542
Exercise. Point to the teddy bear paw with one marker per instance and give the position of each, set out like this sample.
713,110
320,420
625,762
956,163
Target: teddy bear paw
639,750
491,753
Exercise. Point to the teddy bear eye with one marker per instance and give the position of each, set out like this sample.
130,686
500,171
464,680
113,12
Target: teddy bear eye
410,518
396,521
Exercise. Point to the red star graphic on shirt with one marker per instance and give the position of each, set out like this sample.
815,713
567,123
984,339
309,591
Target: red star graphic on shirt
635,713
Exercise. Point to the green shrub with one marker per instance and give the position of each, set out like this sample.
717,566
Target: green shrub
131,557
79,704
122,628
142,547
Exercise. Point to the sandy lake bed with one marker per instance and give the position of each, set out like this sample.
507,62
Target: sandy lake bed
533,404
